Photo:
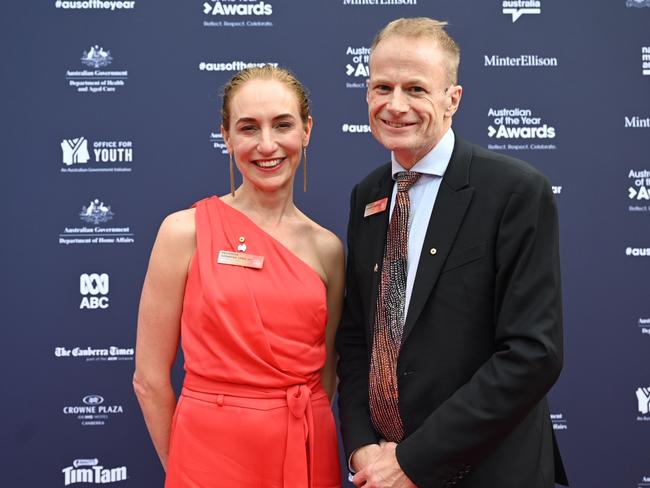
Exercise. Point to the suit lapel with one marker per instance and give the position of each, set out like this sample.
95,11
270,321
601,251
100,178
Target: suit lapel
375,232
454,197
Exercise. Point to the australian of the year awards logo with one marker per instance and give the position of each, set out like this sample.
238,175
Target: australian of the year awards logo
96,215
93,288
79,155
356,67
88,470
92,410
237,13
645,60
637,3
95,4
517,8
95,354
517,129
96,74
638,190
643,403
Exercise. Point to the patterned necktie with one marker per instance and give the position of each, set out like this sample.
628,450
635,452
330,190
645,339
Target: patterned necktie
389,317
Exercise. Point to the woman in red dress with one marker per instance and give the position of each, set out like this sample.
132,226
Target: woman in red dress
253,289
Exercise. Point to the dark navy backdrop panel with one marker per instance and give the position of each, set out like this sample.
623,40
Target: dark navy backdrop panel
110,121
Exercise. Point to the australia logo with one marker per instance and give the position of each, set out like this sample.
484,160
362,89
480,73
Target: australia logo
96,212
637,3
96,57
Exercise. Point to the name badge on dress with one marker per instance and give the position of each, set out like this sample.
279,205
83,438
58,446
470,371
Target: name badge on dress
376,207
233,258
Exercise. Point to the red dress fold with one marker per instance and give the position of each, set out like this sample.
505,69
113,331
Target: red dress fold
252,412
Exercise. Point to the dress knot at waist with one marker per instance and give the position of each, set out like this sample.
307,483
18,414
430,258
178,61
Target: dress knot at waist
297,399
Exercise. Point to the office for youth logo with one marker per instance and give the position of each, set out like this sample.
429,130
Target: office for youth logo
237,13
95,4
95,77
643,403
104,156
93,288
517,8
88,470
75,151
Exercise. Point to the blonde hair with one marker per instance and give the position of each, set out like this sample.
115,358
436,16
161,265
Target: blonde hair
424,27
265,72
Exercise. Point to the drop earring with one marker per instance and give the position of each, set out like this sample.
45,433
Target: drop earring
232,176
304,170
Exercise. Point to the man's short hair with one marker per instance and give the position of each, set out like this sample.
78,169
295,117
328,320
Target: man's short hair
425,27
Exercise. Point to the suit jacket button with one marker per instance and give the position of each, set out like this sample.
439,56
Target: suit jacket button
433,251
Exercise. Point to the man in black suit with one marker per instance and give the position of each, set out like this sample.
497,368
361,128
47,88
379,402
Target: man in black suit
451,333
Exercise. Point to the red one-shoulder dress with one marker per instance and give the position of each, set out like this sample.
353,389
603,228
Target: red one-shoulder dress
252,412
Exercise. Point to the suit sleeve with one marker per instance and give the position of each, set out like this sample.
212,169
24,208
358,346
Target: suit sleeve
527,356
354,413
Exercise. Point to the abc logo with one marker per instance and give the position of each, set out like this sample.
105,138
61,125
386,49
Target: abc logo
94,288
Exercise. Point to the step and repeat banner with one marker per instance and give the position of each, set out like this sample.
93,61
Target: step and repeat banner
110,121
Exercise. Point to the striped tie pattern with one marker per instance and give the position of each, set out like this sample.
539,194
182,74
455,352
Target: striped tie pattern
389,317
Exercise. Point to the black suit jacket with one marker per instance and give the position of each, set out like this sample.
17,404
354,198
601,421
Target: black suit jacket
482,341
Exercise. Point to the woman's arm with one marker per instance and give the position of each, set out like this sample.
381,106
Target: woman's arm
159,317
333,261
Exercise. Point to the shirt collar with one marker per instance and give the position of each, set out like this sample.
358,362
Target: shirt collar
434,162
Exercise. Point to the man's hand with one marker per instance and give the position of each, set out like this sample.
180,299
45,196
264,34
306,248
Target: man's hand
363,456
384,471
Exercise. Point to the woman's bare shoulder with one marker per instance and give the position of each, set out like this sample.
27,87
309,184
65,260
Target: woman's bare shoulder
179,228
